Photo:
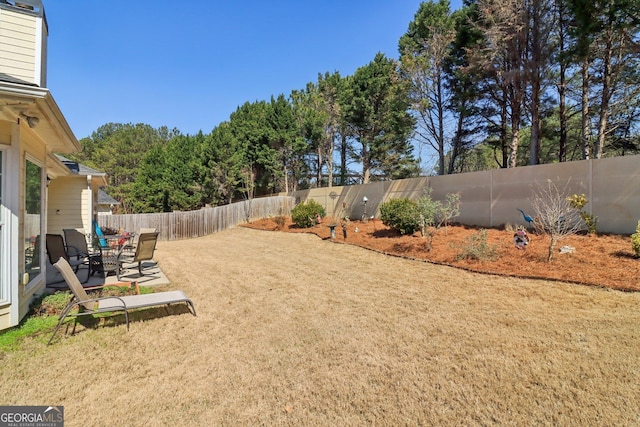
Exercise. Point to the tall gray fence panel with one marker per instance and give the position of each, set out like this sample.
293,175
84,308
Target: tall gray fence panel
492,198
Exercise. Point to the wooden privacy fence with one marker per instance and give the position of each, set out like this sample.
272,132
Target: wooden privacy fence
185,225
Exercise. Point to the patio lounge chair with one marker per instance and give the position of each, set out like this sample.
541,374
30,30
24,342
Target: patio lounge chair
90,306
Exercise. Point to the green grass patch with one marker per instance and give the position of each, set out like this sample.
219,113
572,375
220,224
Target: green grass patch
31,326
43,316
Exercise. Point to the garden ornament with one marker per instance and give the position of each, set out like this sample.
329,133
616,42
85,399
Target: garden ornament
521,239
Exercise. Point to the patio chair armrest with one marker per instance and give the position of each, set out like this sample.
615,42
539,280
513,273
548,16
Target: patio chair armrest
73,251
125,256
75,302
128,250
124,306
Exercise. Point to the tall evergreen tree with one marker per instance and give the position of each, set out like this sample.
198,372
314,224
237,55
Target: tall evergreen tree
307,106
222,157
375,106
462,81
285,138
504,61
424,51
249,125
540,44
168,179
118,149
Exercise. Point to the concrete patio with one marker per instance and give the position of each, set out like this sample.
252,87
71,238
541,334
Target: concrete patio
152,276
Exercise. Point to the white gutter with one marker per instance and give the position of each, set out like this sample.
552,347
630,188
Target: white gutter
53,128
89,227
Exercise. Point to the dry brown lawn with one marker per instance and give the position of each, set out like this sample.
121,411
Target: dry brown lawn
296,330
598,260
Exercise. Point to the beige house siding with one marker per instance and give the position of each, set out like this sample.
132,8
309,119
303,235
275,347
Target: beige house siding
73,197
5,317
27,146
20,45
5,132
68,198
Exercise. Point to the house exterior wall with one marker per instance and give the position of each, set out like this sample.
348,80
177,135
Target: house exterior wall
23,53
23,145
104,210
6,128
23,45
68,199
9,212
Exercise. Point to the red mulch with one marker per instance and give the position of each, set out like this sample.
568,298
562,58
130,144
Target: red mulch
599,260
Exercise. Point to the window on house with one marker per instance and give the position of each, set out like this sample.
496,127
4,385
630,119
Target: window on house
3,292
32,218
1,217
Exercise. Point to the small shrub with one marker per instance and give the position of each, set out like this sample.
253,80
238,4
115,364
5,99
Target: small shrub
635,241
450,209
579,202
304,214
475,247
280,221
428,210
433,214
511,228
400,215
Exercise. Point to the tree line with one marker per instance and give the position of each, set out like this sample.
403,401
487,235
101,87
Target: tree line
495,84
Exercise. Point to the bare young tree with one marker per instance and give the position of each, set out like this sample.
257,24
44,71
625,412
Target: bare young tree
553,214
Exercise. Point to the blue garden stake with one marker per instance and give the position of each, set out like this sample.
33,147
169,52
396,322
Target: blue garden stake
526,217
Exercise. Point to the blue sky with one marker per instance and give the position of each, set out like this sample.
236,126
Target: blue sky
189,65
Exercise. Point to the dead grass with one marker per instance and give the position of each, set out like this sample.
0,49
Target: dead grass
602,260
294,330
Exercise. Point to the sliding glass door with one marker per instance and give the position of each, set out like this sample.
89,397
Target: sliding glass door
33,219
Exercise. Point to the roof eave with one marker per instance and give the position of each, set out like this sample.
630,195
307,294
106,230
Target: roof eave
35,101
55,168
